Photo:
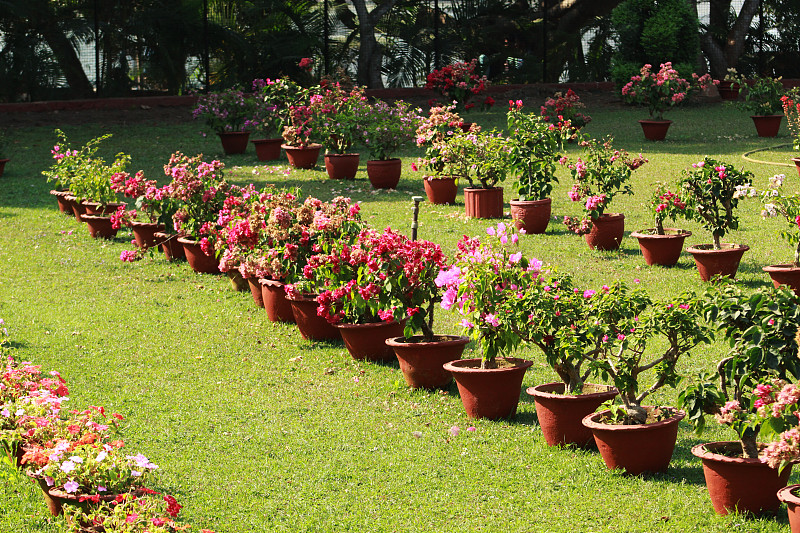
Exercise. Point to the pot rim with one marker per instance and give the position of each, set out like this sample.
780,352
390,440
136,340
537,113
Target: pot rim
679,232
782,267
136,223
701,452
55,192
590,422
58,493
95,217
302,298
787,495
271,282
267,140
307,147
369,325
654,121
458,365
519,202
481,188
451,340
384,161
765,116
437,178
726,247
795,159
537,392
349,154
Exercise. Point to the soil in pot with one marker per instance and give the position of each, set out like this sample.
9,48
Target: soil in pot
560,414
489,393
723,262
422,362
636,448
661,250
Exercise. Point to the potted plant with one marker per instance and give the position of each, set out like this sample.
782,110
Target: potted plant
338,114
791,108
3,148
484,157
787,206
602,175
458,83
565,107
711,190
660,91
274,98
300,136
484,274
441,166
641,333
662,246
729,86
231,114
761,328
385,129
762,99
534,146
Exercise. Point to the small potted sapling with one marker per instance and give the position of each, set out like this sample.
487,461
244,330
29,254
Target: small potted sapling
660,245
385,129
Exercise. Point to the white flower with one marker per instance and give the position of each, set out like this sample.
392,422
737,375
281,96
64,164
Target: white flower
67,466
777,180
770,210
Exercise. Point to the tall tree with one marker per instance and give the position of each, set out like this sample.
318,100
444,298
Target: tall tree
370,52
725,37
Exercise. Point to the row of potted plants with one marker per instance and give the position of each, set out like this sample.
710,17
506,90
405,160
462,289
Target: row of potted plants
77,457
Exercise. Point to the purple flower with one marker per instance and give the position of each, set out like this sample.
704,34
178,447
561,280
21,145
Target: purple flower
70,487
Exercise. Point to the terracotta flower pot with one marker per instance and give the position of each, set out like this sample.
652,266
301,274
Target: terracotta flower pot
489,393
787,495
384,173
767,125
533,216
63,204
655,130
237,281
736,483
302,157
724,261
341,166
100,227
3,165
440,191
234,142
635,448
255,291
484,203
78,208
796,161
368,341
422,363
728,90
787,274
661,250
268,149
560,414
311,326
96,208
169,244
278,308
199,261
607,232
145,233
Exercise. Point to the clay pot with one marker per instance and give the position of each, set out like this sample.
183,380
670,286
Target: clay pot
56,499
422,362
788,275
234,142
384,173
255,291
198,260
78,209
560,414
3,165
607,232
145,233
787,495
169,244
655,130
368,341
100,227
302,157
728,90
237,281
278,308
96,208
440,191
723,262
489,393
484,203
767,125
533,216
636,448
661,250
311,326
268,149
736,483
63,204
796,161
341,166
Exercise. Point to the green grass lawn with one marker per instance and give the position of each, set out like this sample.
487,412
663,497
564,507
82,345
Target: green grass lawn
255,429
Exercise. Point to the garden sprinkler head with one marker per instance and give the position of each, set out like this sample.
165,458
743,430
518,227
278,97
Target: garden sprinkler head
414,223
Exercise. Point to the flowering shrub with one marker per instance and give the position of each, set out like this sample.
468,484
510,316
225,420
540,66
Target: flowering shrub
276,98
437,133
761,328
778,406
301,129
534,146
459,83
478,156
338,115
381,277
156,203
387,128
787,206
711,190
662,90
483,277
665,204
227,111
603,174
562,108
764,96
791,108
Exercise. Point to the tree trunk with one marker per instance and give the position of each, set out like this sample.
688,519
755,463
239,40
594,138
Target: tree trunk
68,61
723,56
370,55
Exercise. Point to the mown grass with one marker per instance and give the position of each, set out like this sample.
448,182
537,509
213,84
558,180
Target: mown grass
256,429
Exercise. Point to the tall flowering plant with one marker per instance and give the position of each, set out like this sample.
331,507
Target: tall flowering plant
565,107
662,90
791,108
438,133
481,157
301,129
228,111
761,328
157,204
338,115
274,99
712,190
69,163
787,206
778,408
600,175
459,83
386,128
483,276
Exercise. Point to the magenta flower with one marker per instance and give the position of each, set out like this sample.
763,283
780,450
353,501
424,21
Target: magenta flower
588,293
